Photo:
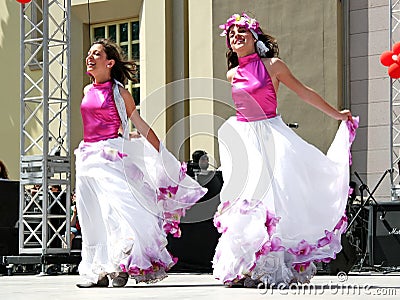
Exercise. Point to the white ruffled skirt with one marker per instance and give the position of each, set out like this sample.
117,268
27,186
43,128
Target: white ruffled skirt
282,204
129,196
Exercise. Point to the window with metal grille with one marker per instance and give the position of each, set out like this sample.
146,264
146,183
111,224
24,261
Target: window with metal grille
126,34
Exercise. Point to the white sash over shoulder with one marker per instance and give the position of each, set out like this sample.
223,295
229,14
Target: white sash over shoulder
120,104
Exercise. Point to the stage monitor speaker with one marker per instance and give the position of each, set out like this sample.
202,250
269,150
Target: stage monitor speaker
9,213
384,234
344,260
196,247
8,241
9,203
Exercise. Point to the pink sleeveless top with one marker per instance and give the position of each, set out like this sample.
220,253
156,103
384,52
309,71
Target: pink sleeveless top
253,91
99,113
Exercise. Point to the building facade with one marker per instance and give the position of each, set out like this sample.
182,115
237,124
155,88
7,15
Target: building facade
332,46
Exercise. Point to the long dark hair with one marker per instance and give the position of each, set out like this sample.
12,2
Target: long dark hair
3,171
269,41
123,70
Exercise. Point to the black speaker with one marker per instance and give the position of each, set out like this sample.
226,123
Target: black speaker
9,203
384,234
196,247
9,214
345,259
8,241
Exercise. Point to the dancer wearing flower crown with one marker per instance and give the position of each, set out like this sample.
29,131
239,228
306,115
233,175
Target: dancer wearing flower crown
129,193
283,201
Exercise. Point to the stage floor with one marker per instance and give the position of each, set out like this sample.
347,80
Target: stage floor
199,286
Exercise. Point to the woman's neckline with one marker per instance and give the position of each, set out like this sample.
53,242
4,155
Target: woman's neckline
102,83
244,60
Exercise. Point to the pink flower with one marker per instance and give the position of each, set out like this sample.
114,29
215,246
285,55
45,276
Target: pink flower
218,225
123,268
342,224
271,222
172,228
352,126
246,207
222,206
252,267
302,249
134,270
276,244
167,192
265,249
175,215
182,171
174,259
112,154
241,20
324,260
302,266
325,240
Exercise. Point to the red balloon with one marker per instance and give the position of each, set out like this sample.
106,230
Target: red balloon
387,58
394,71
24,1
396,48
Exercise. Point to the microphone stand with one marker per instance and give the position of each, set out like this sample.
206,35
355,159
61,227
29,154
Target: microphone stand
364,187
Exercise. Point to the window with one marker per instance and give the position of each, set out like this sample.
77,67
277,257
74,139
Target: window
126,35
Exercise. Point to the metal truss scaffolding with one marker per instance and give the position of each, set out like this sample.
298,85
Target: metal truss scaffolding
394,32
44,217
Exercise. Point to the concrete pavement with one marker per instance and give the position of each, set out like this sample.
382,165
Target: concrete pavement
199,286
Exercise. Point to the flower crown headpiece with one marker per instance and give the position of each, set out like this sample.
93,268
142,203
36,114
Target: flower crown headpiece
250,24
242,21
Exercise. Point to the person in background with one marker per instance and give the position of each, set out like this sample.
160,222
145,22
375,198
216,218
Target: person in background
75,226
3,171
